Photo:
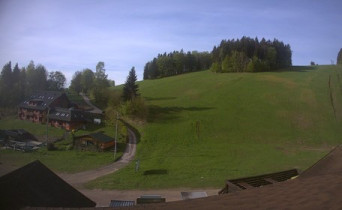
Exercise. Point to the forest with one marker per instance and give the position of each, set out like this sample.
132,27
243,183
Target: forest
19,83
176,62
240,55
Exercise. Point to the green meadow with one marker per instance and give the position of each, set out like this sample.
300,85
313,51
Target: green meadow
204,128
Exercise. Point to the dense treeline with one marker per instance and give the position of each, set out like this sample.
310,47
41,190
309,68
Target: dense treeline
176,63
250,55
339,57
19,83
241,55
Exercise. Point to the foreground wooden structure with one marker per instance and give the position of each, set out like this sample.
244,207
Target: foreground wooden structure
258,181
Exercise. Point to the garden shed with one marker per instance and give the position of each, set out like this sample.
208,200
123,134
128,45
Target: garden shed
94,141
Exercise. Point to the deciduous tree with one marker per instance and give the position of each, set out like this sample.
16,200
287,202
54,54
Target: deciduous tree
56,81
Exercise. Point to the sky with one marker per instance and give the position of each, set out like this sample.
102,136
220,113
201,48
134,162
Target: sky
71,35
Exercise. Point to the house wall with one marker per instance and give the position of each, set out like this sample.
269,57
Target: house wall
35,116
66,125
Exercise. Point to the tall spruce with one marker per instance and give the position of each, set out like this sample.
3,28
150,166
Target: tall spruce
130,89
339,57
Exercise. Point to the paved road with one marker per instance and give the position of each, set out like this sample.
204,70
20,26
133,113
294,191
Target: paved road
95,110
78,179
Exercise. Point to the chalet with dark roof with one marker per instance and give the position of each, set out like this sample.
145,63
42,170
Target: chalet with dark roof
52,106
94,141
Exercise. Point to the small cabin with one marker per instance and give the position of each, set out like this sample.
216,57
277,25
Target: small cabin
94,141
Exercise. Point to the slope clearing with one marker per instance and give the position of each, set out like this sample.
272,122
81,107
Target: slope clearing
204,127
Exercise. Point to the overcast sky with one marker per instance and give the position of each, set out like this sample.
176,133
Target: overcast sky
69,35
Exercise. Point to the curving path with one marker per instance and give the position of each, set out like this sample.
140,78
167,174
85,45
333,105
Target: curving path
78,179
95,109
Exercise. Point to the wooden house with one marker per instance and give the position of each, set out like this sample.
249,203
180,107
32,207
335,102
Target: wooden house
51,106
35,108
68,119
94,141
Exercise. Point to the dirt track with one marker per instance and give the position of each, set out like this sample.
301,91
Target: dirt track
78,179
95,110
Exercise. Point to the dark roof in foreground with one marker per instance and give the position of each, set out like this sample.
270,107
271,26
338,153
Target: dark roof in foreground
37,186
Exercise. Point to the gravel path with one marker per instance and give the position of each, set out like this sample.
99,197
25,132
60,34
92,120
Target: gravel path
78,179
95,110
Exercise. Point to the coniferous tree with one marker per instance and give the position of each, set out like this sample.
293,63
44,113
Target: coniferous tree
339,57
130,89
6,85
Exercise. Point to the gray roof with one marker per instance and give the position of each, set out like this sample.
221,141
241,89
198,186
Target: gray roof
68,115
98,136
43,99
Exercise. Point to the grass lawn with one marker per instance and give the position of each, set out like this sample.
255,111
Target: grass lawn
204,127
38,130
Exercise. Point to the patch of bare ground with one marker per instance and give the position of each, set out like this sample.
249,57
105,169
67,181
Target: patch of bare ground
5,168
279,80
292,149
302,121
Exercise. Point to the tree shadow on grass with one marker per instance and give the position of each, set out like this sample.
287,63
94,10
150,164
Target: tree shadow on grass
159,99
163,114
296,69
156,172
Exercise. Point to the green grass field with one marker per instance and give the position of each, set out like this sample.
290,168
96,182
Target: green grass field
204,128
38,130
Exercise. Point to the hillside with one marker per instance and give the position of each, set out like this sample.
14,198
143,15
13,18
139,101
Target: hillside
205,127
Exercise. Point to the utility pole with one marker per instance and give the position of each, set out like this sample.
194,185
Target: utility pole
47,126
116,133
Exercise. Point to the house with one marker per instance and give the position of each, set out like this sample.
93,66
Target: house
68,119
54,107
36,108
34,185
94,141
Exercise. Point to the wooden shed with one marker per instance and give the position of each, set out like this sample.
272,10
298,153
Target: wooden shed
94,141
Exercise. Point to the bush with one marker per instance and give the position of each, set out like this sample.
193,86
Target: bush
69,147
51,147
215,67
135,108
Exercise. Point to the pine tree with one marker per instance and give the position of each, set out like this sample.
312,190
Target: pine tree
130,89
339,57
